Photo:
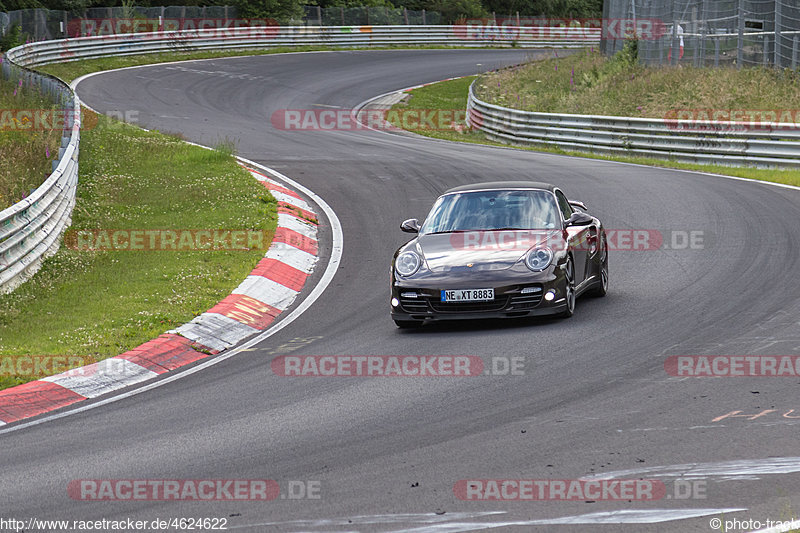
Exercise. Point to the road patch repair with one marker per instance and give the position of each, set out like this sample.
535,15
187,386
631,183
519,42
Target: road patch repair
255,304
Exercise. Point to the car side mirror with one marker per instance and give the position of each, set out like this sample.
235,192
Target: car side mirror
579,205
579,218
410,226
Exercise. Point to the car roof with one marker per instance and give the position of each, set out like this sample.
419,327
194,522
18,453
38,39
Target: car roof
500,185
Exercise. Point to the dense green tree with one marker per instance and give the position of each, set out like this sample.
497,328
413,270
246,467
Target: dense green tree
349,3
281,10
550,8
453,10
287,10
13,5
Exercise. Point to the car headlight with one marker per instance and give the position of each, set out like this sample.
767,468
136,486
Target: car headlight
539,258
407,263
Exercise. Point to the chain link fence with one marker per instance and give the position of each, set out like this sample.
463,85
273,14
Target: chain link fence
711,32
46,24
367,16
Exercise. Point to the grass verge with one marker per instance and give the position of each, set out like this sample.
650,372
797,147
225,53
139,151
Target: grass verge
589,83
26,151
452,95
102,303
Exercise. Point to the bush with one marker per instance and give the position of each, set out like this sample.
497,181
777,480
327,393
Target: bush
12,38
452,10
284,11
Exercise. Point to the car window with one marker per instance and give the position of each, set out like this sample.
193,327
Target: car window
492,210
563,205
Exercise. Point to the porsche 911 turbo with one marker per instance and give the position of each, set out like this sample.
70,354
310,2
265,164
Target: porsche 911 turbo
498,250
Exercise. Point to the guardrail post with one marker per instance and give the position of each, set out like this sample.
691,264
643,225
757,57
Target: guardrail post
424,19
794,52
716,52
703,33
778,21
674,44
740,38
319,16
703,37
765,61
342,11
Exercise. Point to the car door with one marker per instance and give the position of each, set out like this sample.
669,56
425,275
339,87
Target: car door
577,239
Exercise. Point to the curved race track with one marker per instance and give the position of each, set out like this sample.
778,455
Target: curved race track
594,397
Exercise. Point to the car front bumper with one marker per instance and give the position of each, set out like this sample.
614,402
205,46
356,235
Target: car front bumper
511,301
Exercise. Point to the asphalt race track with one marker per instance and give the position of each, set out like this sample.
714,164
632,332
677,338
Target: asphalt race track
594,398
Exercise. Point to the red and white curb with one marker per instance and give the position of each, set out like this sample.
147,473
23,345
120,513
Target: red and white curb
255,304
272,286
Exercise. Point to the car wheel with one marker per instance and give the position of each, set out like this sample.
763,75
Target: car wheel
569,289
408,324
602,287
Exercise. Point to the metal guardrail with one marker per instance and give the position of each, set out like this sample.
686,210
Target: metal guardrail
41,53
31,229
703,142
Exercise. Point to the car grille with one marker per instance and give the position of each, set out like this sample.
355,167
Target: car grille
414,305
513,300
526,301
469,307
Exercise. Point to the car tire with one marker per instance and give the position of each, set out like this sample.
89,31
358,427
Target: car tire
569,289
601,289
408,324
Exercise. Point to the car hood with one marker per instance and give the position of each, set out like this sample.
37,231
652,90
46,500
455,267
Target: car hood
477,251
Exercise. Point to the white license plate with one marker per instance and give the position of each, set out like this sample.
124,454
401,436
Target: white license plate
468,295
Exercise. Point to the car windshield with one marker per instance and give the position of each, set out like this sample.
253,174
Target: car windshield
492,210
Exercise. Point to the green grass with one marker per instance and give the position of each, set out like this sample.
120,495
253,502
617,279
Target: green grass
618,87
452,95
24,160
74,69
102,303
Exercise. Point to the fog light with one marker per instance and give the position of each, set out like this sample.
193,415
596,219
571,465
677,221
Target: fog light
549,295
395,302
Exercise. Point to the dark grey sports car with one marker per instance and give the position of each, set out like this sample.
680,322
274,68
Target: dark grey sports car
498,250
